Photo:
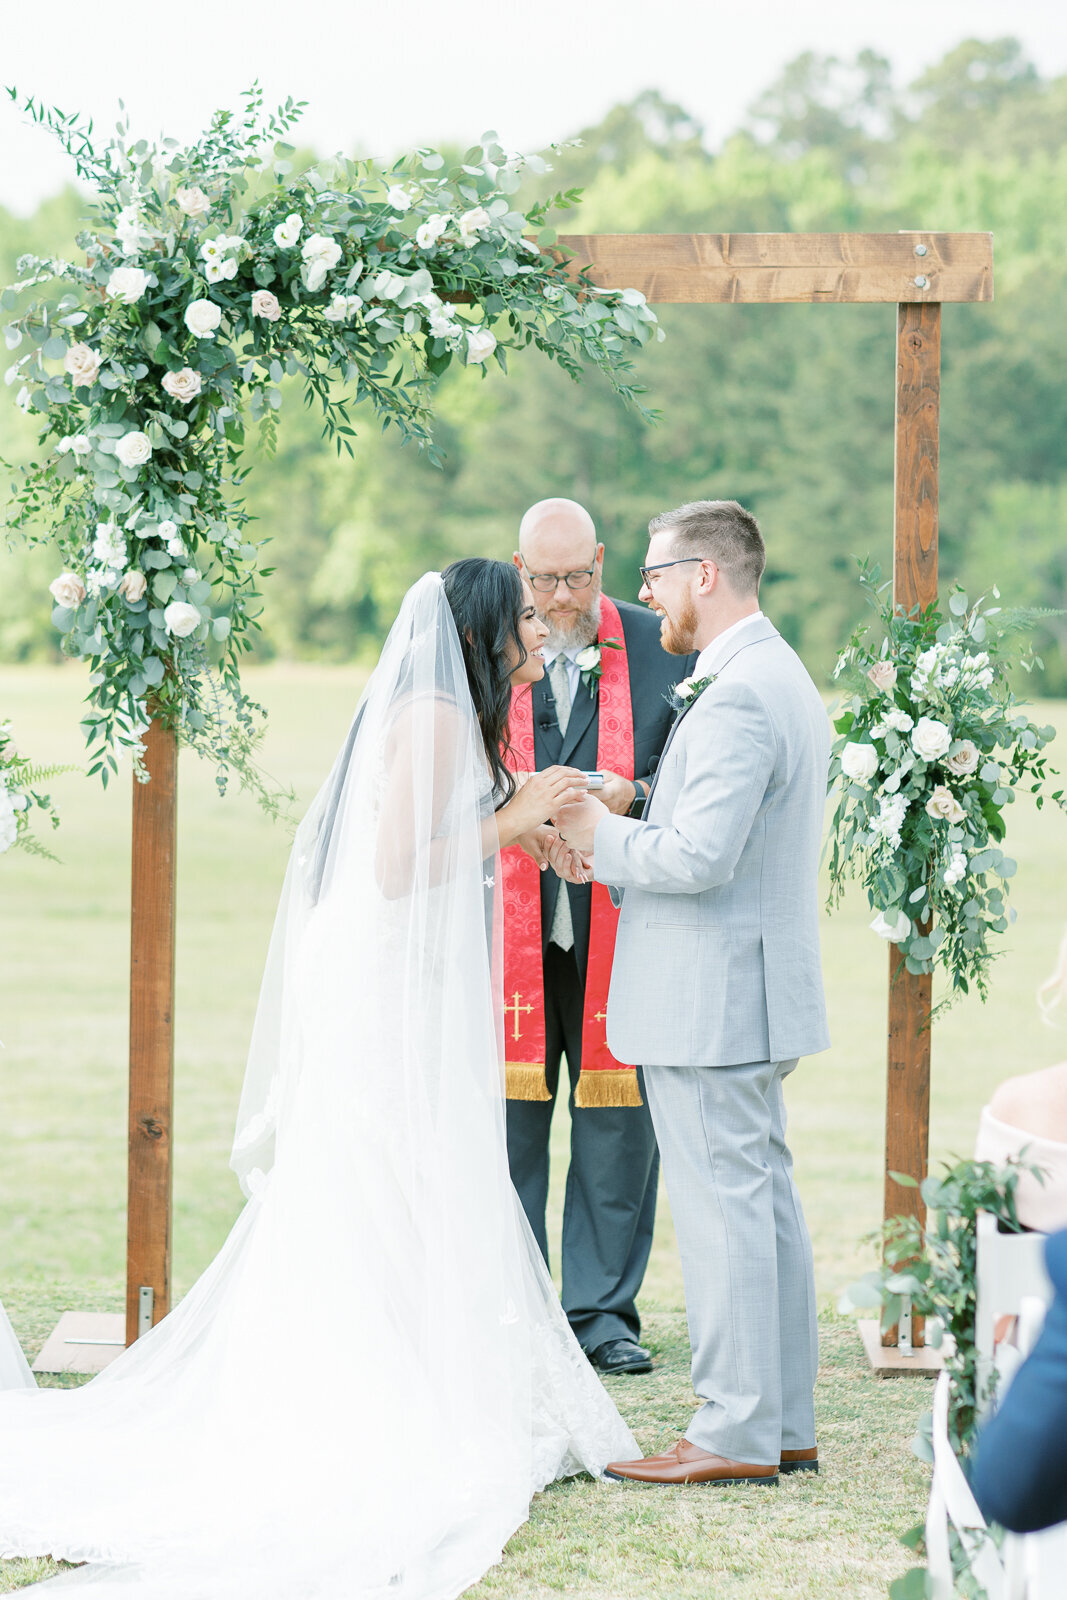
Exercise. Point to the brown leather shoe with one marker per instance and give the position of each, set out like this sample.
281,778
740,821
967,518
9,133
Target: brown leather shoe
687,1463
800,1460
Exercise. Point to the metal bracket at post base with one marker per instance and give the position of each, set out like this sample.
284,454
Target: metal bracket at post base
145,1303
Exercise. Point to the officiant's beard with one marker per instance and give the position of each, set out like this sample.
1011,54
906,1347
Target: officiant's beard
573,630
678,634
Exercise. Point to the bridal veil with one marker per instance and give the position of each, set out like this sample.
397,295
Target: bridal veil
363,1390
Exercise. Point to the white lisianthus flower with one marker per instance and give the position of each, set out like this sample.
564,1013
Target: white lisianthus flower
176,549
894,926
431,230
167,529
859,762
963,760
480,345
337,310
202,317
443,325
930,739
956,869
133,586
265,305
77,443
320,253
133,449
62,447
218,271
181,619
588,658
473,222
129,230
193,201
212,250
892,809
899,721
9,827
398,198
184,385
883,674
109,547
288,232
83,363
944,805
127,283
67,590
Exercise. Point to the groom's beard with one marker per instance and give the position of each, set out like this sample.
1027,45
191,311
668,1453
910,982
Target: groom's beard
573,630
678,634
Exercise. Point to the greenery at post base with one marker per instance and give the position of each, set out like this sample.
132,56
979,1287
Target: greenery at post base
935,1269
211,273
931,747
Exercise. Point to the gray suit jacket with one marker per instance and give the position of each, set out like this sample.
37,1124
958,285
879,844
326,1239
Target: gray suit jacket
717,955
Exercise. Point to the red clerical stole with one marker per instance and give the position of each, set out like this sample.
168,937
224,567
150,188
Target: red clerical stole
603,1080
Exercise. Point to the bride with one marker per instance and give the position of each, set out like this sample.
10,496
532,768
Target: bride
371,1379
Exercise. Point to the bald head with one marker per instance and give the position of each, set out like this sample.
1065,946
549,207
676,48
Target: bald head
559,536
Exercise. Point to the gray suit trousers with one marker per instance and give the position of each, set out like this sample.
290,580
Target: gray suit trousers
746,1256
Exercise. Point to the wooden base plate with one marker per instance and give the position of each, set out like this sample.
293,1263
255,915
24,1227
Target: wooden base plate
83,1341
887,1361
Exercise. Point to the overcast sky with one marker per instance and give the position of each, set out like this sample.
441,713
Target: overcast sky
382,76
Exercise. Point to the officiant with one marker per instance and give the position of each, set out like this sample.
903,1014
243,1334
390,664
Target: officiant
604,706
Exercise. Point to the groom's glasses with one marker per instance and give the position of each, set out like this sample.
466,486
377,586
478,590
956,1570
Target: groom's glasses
546,582
650,574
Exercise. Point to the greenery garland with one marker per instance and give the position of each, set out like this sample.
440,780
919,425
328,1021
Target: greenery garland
211,274
932,746
22,798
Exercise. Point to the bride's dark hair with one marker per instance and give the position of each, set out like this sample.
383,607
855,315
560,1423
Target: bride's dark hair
487,602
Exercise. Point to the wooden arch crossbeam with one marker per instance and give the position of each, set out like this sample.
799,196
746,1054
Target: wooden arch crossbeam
916,271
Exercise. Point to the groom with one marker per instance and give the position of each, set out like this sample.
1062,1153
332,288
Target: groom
717,988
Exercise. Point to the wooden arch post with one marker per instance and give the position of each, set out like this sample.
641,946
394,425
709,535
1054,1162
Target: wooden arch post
915,271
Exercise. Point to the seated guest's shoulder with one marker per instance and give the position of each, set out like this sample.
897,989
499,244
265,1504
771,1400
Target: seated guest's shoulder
1035,1102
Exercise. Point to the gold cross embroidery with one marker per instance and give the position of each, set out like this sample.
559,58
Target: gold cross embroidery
600,1016
515,1006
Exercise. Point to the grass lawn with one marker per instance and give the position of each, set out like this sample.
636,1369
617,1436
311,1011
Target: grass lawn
64,958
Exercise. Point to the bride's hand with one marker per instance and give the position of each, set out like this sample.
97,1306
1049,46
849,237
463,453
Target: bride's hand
538,798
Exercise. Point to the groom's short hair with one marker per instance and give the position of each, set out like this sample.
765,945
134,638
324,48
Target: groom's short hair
719,531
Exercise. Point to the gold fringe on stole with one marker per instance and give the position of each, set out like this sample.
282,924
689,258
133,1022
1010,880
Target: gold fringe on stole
607,1087
525,1080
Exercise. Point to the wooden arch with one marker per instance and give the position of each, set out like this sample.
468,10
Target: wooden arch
917,272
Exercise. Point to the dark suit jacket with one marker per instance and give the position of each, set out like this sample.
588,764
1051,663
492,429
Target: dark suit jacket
1019,1475
653,673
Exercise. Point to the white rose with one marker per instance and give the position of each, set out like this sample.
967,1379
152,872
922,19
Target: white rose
320,253
8,823
181,619
265,305
288,232
184,385
133,586
83,364
398,198
337,310
194,202
67,590
133,449
218,271
202,317
896,931
472,222
587,658
167,529
930,739
127,283
859,762
964,760
480,345
944,805
80,444
683,689
883,675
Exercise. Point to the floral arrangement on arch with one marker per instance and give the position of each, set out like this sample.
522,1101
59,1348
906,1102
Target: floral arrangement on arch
931,749
210,274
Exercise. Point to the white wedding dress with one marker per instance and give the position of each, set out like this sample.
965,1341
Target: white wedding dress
363,1391
14,1370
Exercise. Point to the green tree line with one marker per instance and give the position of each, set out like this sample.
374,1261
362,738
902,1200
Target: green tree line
786,408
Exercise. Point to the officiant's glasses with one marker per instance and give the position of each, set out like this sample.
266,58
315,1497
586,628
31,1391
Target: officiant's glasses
546,582
650,574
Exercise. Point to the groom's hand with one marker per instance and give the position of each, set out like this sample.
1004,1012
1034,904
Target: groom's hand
577,823
567,863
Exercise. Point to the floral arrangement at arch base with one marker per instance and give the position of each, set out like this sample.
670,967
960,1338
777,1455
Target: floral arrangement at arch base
932,749
208,275
22,798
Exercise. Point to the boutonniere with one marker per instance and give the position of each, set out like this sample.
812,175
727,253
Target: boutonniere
689,689
590,662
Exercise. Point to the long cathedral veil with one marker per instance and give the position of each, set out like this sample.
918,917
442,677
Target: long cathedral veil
362,1391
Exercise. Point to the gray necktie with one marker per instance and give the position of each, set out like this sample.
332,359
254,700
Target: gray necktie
561,932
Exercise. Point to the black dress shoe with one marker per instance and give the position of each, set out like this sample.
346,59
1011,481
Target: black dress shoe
621,1355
